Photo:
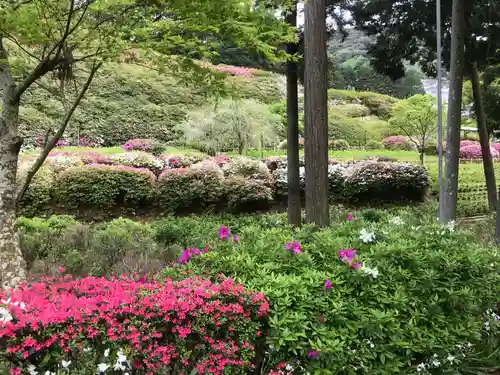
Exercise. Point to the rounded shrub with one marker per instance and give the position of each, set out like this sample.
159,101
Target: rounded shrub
283,145
248,168
190,189
148,145
472,151
243,194
385,182
396,143
104,187
374,145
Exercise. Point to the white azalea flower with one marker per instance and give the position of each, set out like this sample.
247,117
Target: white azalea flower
373,272
49,373
5,316
102,367
396,220
421,367
289,367
106,353
65,364
32,370
436,363
450,358
366,236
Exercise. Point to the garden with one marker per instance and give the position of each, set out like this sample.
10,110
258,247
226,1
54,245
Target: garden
154,233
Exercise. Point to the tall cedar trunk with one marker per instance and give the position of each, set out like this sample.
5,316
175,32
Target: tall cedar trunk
316,113
12,264
292,119
454,113
489,171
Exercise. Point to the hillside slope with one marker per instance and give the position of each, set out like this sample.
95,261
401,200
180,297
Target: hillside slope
127,101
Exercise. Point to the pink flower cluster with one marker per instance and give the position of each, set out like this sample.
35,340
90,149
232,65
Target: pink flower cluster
92,157
184,327
472,151
349,256
85,141
224,233
294,247
235,70
146,145
187,254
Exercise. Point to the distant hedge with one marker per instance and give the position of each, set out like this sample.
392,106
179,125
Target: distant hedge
217,184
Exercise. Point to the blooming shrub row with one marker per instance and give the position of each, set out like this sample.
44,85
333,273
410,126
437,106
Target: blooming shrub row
397,143
84,141
389,295
368,181
128,326
242,184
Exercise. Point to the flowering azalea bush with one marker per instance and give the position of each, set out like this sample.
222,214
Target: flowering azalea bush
352,287
396,143
248,168
472,151
120,325
104,187
148,145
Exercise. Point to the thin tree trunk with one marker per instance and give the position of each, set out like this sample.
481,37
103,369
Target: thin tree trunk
489,171
12,264
316,113
62,127
422,153
292,119
454,112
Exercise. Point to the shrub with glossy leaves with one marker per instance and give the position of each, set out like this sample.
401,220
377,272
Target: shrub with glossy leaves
148,145
398,292
104,187
339,145
190,189
374,145
37,197
142,327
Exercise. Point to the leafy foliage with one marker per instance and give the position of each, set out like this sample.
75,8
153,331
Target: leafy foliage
232,125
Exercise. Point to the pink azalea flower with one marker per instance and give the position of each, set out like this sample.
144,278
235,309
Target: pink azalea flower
224,232
349,218
313,354
236,239
294,247
328,284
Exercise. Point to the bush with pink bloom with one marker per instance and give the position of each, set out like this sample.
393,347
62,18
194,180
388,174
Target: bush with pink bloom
473,152
237,71
90,325
147,145
395,143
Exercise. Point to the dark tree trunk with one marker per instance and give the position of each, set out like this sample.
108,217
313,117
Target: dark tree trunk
489,171
292,119
316,113
422,156
454,112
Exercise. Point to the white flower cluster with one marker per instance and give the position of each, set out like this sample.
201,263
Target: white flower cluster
367,236
121,364
396,220
5,315
138,159
373,272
